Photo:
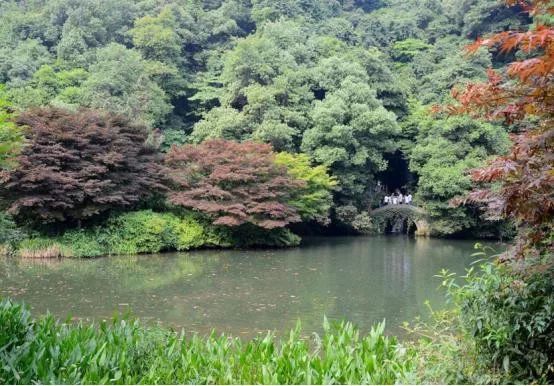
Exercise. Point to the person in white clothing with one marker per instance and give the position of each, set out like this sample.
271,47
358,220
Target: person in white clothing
409,199
394,200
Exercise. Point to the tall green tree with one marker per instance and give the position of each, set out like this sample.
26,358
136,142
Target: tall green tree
445,149
122,81
351,132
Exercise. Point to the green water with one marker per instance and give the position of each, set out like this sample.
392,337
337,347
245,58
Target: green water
362,279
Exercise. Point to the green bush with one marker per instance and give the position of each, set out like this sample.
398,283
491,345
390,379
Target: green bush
139,232
509,312
150,232
83,243
10,234
314,200
145,232
46,351
246,236
499,330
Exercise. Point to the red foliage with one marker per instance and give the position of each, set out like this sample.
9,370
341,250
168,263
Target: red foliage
78,165
522,97
234,183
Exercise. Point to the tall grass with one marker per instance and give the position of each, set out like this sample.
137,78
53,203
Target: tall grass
122,352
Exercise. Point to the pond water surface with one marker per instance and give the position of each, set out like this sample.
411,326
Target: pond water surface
362,279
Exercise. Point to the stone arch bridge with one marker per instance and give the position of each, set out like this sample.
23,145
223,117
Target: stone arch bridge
394,214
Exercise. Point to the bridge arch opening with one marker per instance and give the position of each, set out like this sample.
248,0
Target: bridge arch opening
400,226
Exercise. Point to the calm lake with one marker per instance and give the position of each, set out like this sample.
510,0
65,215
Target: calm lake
362,279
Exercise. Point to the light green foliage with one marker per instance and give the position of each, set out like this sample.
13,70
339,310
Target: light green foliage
11,136
50,85
125,352
445,150
350,133
156,36
150,232
128,234
140,232
405,50
313,201
121,81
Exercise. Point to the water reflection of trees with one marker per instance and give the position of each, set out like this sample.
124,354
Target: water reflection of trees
364,279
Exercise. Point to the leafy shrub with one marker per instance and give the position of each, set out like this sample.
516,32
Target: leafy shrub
189,233
77,165
139,232
509,312
364,224
313,201
132,233
149,232
10,234
250,236
232,183
46,351
500,329
83,243
356,220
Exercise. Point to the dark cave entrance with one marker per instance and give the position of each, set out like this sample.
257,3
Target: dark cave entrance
397,176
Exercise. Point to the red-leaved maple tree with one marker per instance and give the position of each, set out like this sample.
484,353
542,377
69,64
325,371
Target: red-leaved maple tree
519,185
233,183
76,165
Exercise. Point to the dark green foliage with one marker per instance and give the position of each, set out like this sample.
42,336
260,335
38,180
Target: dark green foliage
10,234
122,352
498,329
248,236
445,149
507,311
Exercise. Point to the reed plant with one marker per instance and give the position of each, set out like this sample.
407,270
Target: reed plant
124,352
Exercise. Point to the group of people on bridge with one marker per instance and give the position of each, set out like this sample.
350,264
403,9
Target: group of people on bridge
398,198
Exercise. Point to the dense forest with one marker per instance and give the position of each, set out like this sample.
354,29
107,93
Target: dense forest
346,85
132,127
341,90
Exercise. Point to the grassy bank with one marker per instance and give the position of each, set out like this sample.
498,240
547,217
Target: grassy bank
143,231
46,351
